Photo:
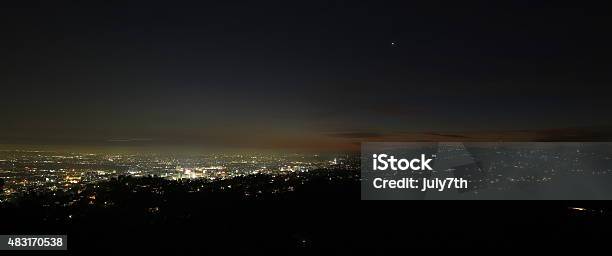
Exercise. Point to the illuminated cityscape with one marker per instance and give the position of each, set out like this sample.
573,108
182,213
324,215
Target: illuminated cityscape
48,171
183,128
494,169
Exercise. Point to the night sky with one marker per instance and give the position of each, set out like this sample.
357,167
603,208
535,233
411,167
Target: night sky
306,73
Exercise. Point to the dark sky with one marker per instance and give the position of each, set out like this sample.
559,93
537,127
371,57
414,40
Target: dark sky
276,72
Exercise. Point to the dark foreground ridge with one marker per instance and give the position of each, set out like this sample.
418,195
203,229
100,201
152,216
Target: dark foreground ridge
319,209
